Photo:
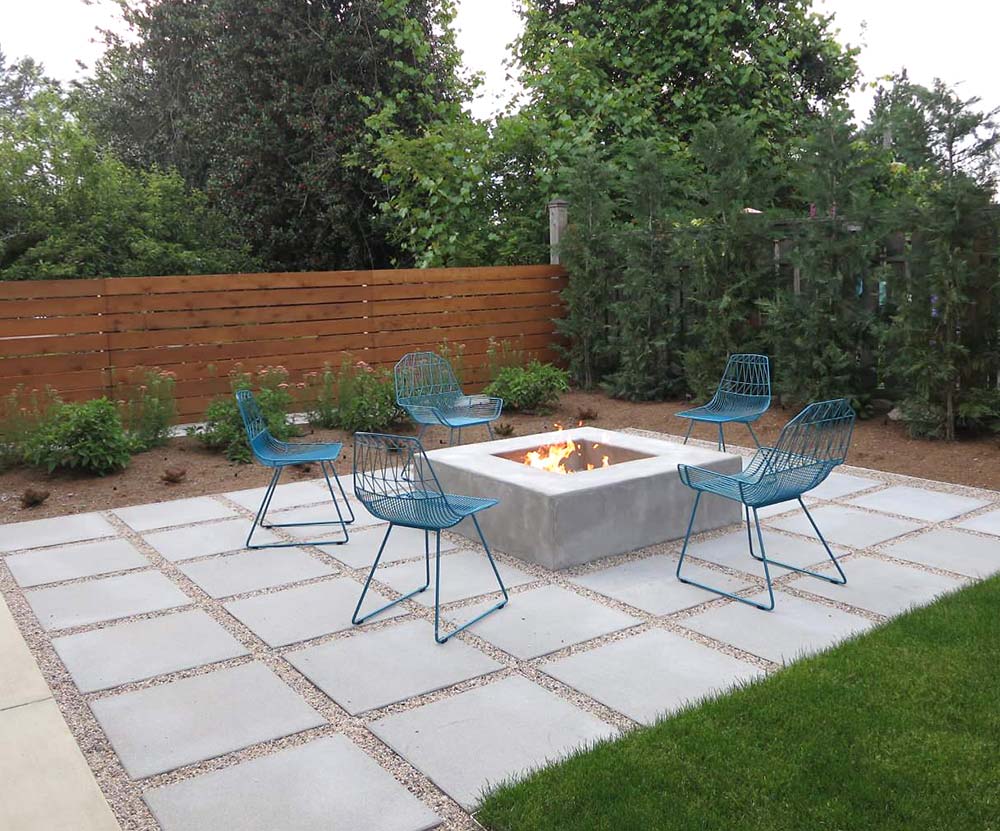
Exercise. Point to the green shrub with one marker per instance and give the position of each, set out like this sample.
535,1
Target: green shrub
366,398
223,428
22,414
81,436
148,408
500,354
321,398
530,388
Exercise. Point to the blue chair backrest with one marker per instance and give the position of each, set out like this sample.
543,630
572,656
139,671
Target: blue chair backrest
258,434
746,382
395,482
425,379
813,443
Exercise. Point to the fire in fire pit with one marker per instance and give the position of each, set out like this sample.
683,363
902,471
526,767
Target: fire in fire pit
573,456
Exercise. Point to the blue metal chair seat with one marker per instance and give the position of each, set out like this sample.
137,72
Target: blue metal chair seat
743,396
394,480
810,446
271,452
429,392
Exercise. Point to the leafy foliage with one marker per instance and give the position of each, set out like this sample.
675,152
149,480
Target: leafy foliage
23,413
148,408
70,208
265,106
530,389
84,436
357,397
223,429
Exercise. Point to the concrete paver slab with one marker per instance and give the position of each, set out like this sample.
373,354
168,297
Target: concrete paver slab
543,620
288,495
930,506
116,655
53,565
323,785
165,727
463,575
20,680
374,669
952,550
202,540
176,512
847,526
403,544
489,734
253,570
47,785
731,550
988,523
305,612
839,485
79,604
651,584
652,674
878,586
57,530
796,627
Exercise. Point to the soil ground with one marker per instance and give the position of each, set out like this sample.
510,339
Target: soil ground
877,443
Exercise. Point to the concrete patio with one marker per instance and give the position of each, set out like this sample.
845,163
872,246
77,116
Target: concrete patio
208,687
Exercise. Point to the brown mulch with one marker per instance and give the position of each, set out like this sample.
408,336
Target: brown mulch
878,444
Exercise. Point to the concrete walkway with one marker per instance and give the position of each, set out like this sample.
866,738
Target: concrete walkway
214,688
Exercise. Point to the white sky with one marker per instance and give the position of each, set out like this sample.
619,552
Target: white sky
955,41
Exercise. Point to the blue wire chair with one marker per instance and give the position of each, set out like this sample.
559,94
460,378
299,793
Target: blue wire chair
396,483
279,455
810,446
743,396
426,387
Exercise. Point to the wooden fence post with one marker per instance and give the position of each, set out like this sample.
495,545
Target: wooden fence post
558,217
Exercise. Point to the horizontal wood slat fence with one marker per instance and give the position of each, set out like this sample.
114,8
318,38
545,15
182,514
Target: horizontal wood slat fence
79,336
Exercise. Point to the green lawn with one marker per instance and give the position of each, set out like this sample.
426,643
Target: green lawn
896,729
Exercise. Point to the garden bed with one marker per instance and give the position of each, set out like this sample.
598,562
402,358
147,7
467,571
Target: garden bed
877,444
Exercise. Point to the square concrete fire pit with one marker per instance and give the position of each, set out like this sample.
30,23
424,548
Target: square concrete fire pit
622,493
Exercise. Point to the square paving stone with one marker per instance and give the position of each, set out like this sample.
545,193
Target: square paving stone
839,485
288,495
57,530
117,655
930,506
305,612
374,669
543,620
651,674
325,785
203,540
985,523
485,736
651,584
324,512
794,628
109,598
952,550
177,512
36,568
264,569
463,575
886,588
731,550
165,727
846,526
404,543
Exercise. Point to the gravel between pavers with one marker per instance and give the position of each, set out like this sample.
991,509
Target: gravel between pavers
124,794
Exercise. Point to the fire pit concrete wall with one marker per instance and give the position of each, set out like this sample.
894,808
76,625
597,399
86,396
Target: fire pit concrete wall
559,520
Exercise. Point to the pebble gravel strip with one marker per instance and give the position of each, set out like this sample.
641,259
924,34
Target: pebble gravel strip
124,794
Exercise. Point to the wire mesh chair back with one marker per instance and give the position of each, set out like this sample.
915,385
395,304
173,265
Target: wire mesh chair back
394,480
254,422
745,384
425,379
811,445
